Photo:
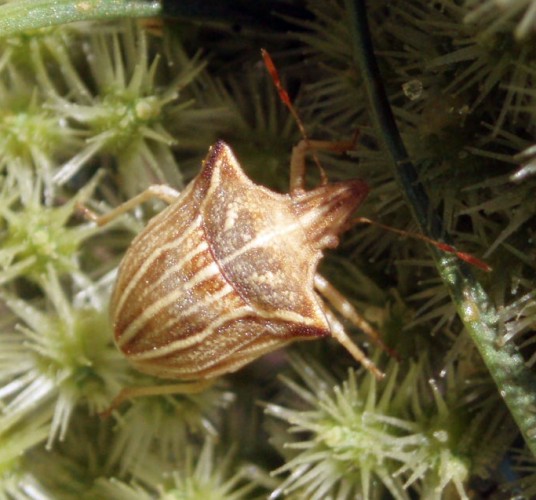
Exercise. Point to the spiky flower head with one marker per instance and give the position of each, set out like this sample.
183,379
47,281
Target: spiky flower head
360,438
162,426
30,134
57,358
125,113
35,236
347,447
497,13
201,474
15,441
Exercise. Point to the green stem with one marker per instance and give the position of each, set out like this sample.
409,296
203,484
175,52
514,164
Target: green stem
23,15
516,383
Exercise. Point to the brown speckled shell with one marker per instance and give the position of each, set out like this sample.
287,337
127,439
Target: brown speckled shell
225,273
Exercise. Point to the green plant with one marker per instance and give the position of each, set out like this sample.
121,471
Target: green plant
93,112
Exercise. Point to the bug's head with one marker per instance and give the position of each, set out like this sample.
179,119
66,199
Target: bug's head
325,211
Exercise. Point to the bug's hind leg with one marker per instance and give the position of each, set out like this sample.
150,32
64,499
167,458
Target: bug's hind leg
339,334
347,311
156,390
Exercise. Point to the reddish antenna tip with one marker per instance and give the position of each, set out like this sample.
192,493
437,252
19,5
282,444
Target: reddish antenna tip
444,247
270,66
285,98
470,259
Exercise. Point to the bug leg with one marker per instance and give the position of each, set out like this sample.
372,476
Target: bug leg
339,334
156,390
297,159
297,166
348,311
160,191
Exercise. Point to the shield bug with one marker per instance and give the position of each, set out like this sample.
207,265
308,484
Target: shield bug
228,271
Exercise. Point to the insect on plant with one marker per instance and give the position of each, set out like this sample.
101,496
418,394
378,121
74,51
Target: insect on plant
228,271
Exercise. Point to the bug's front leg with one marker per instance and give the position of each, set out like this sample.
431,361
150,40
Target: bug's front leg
160,191
299,152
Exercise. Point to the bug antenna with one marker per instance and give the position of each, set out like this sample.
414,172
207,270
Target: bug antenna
285,98
445,247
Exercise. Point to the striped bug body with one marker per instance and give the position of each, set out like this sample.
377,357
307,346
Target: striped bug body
227,273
